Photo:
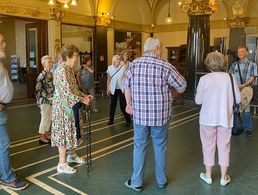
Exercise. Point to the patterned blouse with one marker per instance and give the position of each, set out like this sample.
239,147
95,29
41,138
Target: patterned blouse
66,95
44,88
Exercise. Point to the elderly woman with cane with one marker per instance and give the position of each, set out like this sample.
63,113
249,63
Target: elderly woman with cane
67,97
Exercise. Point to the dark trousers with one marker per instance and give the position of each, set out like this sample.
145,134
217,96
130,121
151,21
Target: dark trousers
76,110
122,101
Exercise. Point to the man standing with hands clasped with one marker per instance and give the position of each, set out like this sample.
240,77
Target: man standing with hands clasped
244,71
148,85
7,177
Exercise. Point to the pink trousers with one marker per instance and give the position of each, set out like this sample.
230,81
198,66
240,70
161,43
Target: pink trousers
212,137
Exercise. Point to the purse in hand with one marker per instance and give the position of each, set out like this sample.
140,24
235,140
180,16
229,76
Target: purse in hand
238,126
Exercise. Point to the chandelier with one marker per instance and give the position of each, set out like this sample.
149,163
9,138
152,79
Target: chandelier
65,3
169,19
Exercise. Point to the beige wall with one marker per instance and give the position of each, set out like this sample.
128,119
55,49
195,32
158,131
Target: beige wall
171,39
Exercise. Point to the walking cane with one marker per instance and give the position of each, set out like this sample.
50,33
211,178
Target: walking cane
88,137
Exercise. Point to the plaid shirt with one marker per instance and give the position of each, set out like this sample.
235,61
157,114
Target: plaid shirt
247,69
151,80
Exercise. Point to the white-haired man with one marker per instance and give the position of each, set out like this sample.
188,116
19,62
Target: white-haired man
8,178
148,87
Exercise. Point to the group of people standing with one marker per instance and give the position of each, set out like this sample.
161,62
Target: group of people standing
148,86
144,87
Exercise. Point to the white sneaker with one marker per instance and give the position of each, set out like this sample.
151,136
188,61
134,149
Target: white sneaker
65,168
224,181
206,179
74,159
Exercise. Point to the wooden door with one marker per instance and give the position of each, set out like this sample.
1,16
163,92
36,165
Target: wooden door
36,47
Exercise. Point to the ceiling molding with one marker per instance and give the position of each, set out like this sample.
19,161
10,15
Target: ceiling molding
157,8
250,7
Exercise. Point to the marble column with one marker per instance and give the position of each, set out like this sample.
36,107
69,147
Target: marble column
198,39
198,46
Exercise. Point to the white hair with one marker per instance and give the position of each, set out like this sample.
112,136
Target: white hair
215,61
45,59
151,44
114,58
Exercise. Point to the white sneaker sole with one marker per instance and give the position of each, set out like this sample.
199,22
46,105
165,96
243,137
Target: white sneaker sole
205,179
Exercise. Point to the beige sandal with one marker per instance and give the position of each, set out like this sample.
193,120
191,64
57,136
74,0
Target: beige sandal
65,168
74,159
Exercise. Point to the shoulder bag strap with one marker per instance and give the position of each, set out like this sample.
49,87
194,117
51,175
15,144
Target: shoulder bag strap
233,90
239,72
116,72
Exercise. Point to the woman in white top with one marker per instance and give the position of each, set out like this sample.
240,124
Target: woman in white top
114,88
214,93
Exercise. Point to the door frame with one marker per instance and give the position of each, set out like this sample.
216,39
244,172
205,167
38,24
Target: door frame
42,49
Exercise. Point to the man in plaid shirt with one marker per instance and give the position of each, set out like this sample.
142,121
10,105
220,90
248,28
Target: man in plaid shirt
148,86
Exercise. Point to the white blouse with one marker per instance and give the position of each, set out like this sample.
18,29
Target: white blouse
115,82
214,93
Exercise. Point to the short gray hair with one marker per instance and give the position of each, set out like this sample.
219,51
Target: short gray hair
45,59
151,44
114,59
215,61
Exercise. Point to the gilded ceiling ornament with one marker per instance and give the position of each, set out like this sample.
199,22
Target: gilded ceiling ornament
56,13
199,7
237,22
23,11
57,46
103,20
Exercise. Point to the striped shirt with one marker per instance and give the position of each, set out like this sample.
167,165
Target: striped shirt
151,80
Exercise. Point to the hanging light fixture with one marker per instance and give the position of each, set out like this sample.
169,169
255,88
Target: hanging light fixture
169,19
65,3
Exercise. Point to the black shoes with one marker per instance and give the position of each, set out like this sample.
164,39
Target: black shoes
42,142
127,124
128,184
248,133
110,122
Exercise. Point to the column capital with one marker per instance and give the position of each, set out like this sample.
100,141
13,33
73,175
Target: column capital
237,22
199,7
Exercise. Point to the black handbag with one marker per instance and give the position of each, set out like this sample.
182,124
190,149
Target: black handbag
238,126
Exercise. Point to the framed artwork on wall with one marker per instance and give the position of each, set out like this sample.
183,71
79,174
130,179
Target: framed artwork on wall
130,41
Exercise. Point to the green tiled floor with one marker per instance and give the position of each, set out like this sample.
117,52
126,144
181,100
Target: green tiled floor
112,153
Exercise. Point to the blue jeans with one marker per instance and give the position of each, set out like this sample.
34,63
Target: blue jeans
6,173
248,123
159,136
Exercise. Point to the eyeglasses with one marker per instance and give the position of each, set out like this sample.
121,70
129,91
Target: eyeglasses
3,42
